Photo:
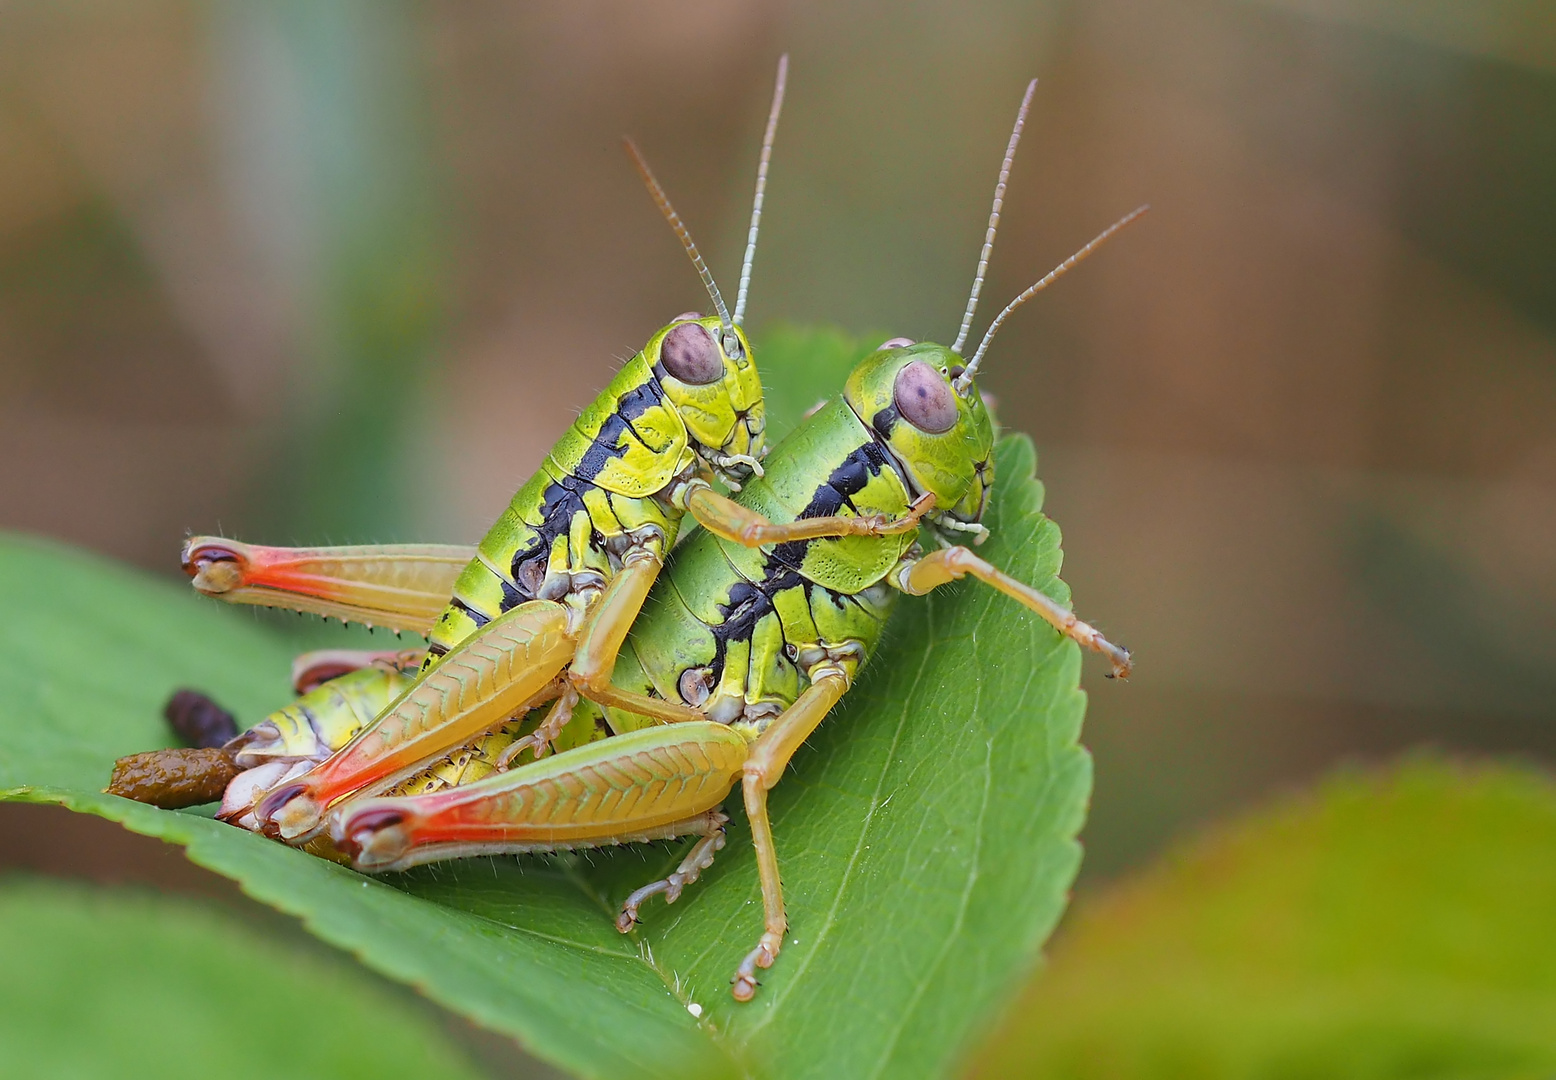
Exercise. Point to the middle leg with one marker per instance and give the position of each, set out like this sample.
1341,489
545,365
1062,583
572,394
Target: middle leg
603,635
698,859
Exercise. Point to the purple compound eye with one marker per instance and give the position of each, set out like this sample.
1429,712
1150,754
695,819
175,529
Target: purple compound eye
925,399
687,316
689,353
895,343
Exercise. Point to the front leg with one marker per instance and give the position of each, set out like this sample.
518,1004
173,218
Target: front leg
919,576
724,517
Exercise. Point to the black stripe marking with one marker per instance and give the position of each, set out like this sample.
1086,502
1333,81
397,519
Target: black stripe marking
511,596
475,616
885,420
605,448
845,481
638,401
750,602
313,721
563,500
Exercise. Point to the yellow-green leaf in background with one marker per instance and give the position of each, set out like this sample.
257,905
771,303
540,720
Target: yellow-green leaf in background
1392,924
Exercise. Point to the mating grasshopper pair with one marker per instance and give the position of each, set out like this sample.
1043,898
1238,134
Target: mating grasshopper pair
756,628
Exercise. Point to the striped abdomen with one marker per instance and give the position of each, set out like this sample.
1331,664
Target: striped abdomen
324,719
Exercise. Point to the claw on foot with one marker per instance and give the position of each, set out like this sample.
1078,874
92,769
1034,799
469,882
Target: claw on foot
743,985
698,859
1117,656
909,521
518,746
670,887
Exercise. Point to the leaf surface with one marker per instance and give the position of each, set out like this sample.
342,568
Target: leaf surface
926,833
1390,924
119,982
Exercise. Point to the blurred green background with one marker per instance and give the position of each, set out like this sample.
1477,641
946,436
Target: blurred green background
341,270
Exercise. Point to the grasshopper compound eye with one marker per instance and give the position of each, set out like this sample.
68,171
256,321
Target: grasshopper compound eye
924,398
895,343
689,353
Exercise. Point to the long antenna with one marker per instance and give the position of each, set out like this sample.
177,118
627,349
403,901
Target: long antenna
965,379
662,201
761,186
994,218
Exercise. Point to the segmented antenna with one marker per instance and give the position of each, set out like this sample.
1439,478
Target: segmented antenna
994,218
965,379
662,201
761,186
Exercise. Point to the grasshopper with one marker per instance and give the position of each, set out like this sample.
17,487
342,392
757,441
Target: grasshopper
573,555
740,652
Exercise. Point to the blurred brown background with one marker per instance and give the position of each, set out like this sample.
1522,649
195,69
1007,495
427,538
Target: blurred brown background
341,271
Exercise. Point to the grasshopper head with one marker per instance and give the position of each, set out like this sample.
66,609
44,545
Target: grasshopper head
921,400
941,435
709,376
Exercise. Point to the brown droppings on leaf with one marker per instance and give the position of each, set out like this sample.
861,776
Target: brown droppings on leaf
173,779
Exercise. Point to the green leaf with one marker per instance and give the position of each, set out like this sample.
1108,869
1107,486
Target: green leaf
926,833
1393,924
802,366
119,983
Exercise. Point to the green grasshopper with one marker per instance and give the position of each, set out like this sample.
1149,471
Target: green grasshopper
764,643
757,645
573,554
